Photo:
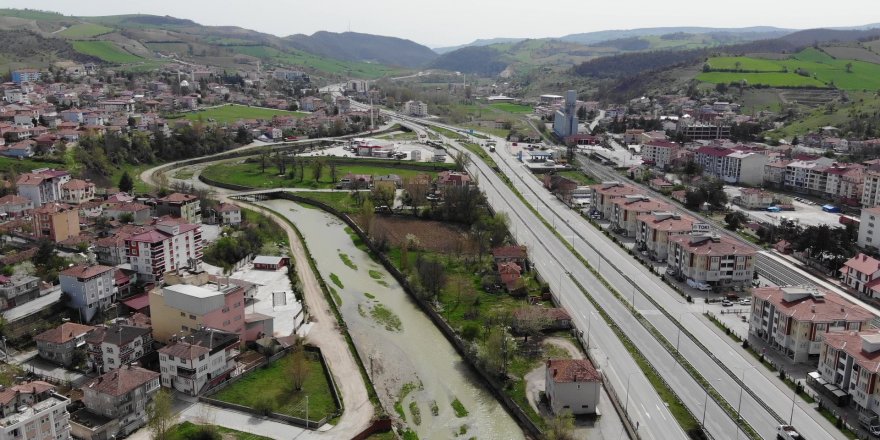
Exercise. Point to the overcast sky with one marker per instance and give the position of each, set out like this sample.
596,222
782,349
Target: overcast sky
451,22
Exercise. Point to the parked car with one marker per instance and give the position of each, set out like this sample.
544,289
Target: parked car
745,302
726,303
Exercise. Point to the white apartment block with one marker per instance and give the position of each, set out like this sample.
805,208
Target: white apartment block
89,289
660,153
169,247
711,260
199,361
871,189
416,108
42,186
655,229
849,360
794,319
743,168
869,228
33,411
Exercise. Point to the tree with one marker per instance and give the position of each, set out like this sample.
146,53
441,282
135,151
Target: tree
462,160
333,176
264,157
582,113
531,321
366,215
734,220
383,195
298,368
318,168
495,351
160,415
126,184
416,189
849,67
432,274
561,427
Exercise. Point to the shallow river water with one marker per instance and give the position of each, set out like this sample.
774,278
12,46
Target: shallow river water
411,351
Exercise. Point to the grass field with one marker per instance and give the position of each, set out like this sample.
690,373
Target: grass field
250,174
336,67
512,108
577,176
85,30
24,166
231,113
189,431
106,51
826,70
342,201
274,385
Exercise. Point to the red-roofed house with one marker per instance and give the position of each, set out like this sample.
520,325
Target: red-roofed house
55,221
119,399
33,410
453,178
199,361
572,385
862,274
626,210
510,274
793,319
185,206
14,206
89,289
58,344
659,153
603,195
76,191
516,254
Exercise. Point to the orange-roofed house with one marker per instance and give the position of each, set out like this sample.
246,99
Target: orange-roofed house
185,206
55,221
57,345
88,288
626,210
199,362
711,260
850,361
33,410
115,403
603,194
77,191
653,231
572,385
793,319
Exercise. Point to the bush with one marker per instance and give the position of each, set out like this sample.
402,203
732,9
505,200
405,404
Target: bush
205,432
470,331
264,407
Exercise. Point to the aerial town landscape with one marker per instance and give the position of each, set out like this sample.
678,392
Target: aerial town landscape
212,230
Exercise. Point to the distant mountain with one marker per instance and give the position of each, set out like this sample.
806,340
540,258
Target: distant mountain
811,36
480,60
759,32
353,46
479,42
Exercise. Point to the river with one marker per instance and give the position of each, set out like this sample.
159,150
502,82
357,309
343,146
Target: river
397,341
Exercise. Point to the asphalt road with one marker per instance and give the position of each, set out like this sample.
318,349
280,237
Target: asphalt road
725,366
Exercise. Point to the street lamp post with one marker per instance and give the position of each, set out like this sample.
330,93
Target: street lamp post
793,400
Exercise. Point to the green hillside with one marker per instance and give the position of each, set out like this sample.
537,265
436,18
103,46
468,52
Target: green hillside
105,50
808,68
85,30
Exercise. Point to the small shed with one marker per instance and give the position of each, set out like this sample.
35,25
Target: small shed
266,262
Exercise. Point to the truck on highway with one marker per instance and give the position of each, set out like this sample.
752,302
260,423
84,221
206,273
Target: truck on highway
870,422
787,432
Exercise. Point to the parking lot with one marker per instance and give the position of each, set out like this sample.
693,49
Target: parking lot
806,213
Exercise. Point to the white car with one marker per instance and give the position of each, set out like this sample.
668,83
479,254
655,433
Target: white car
726,303
745,302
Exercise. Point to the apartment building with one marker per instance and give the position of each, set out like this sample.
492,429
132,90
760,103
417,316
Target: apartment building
850,360
168,247
416,108
57,345
118,344
845,182
42,185
199,361
871,188
659,153
228,214
115,403
181,309
76,191
626,210
712,260
794,319
12,206
655,229
602,196
89,289
572,385
185,206
55,221
732,165
808,176
869,234
754,198
862,274
16,290
33,411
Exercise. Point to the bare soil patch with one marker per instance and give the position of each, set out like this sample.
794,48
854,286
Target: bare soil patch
432,235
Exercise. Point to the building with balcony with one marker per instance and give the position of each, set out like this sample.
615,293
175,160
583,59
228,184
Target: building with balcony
869,228
42,185
185,206
55,221
850,361
33,411
181,309
118,344
76,191
659,153
794,319
168,247
712,260
862,274
115,403
416,108
17,290
653,231
58,345
199,361
626,210
754,198
13,206
603,194
89,289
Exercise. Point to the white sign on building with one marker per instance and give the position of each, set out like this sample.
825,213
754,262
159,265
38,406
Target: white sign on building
701,228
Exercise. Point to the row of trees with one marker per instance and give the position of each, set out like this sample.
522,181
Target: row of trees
828,246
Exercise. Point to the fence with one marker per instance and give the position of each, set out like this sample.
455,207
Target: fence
494,386
308,424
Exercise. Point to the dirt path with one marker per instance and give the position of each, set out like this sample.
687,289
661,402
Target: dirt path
324,333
